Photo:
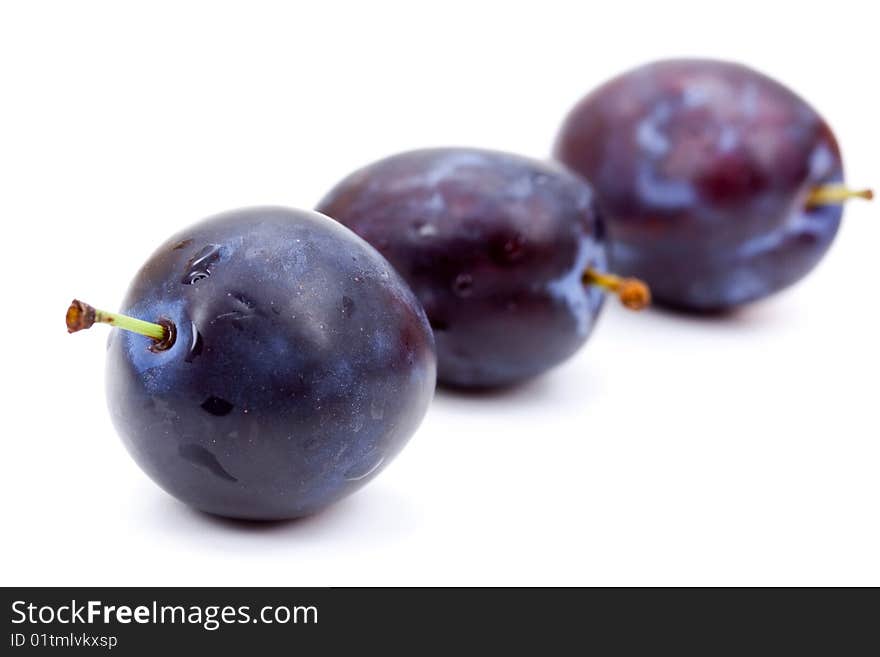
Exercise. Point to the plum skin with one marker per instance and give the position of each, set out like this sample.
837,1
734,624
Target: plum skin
494,246
301,366
702,169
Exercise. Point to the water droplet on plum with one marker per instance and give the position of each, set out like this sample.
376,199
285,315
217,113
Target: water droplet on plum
367,467
463,286
199,266
217,406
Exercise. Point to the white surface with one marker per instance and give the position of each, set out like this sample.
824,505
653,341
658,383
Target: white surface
669,451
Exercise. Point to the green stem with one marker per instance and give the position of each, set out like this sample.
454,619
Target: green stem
82,316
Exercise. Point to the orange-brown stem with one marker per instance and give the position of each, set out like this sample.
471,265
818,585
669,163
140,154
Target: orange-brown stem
836,194
633,293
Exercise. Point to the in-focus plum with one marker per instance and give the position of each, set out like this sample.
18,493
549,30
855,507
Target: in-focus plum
291,364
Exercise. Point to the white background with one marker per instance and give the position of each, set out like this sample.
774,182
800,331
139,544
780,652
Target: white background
669,451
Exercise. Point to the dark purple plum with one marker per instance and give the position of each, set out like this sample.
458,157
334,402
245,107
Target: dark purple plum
495,246
718,185
300,364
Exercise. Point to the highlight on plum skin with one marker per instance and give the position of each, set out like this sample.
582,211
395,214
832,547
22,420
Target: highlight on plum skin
505,253
267,362
719,185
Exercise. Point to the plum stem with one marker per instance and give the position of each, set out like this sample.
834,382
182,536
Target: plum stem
836,194
81,316
633,293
